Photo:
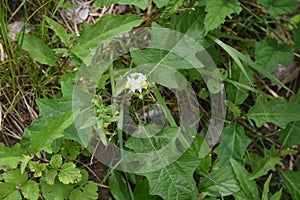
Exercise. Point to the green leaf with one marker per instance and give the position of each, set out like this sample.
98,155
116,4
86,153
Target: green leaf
107,27
291,181
141,191
269,54
56,161
12,181
265,193
161,3
248,187
143,4
191,23
50,176
60,31
277,7
220,182
217,11
176,180
290,135
118,186
31,190
11,156
37,168
236,94
38,50
57,191
277,111
69,173
296,36
42,139
263,166
233,144
277,195
88,191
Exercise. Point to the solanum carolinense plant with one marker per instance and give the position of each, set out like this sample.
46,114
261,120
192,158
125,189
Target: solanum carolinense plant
162,99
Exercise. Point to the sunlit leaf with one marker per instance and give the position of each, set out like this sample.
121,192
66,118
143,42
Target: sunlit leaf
69,173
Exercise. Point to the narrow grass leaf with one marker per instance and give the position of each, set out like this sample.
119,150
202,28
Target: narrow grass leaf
291,181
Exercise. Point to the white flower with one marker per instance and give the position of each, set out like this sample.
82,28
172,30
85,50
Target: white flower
136,81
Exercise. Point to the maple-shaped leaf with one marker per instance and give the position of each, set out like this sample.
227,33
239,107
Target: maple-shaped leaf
217,11
11,156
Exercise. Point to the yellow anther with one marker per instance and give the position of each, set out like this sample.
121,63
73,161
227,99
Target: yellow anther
128,86
145,84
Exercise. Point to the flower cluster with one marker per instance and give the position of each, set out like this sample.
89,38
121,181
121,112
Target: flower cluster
136,81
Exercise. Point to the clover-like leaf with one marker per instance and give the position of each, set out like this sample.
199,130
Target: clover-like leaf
69,173
56,161
31,190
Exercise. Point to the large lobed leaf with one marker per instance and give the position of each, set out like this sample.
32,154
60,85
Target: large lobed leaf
107,27
233,144
277,111
269,54
217,11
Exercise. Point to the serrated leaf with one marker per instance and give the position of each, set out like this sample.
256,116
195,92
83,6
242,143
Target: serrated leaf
57,191
42,139
220,182
233,144
69,173
277,7
118,186
175,181
37,168
12,181
291,181
60,31
31,190
236,94
248,187
269,54
217,11
56,161
11,156
88,191
263,166
50,176
161,3
38,50
107,27
277,111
